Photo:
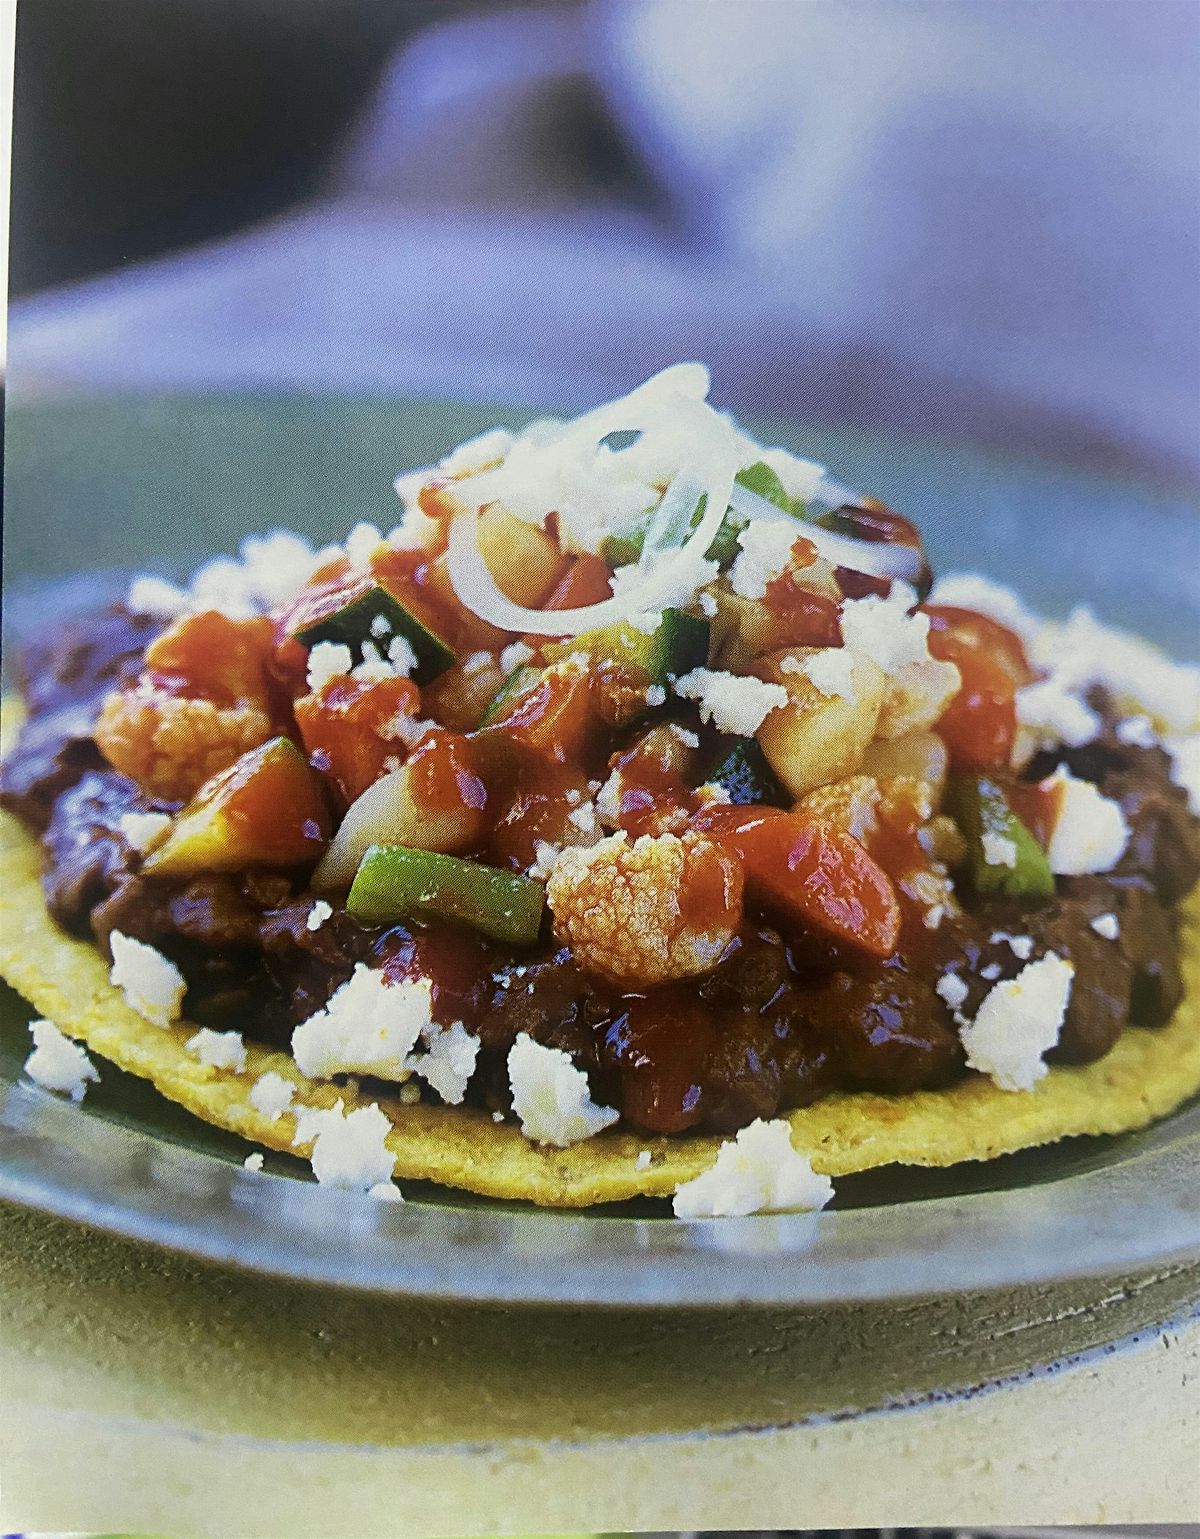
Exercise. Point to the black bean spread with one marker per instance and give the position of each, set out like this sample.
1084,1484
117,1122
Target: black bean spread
783,1011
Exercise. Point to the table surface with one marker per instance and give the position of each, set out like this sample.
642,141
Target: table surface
144,1391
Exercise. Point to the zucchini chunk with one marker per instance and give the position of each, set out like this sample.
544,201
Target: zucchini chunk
369,612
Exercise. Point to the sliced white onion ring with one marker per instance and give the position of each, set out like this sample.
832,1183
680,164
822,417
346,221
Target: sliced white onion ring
838,549
659,571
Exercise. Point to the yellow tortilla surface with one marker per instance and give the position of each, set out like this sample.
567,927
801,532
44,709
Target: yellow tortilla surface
1146,1075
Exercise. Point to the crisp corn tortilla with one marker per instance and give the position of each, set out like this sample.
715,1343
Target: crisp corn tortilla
1145,1076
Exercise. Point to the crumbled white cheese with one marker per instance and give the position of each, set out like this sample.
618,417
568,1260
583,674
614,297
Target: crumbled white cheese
385,1191
1138,732
277,565
884,631
708,605
311,1120
546,857
731,704
56,1063
676,574
999,850
361,544
407,730
1051,714
608,800
253,1161
151,983
758,1171
991,972
643,1160
1184,753
799,477
497,1116
1090,832
351,1151
515,656
647,622
369,1026
381,627
1021,946
272,1095
144,831
831,670
583,817
272,569
683,735
1108,926
1019,1021
656,695
218,1049
327,660
712,794
765,550
449,1061
158,599
951,988
318,914
403,659
487,448
551,1097
1082,653
968,590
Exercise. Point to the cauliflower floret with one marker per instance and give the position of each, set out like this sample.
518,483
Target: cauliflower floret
202,700
644,912
171,745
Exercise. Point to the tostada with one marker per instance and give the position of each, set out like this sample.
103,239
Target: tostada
637,816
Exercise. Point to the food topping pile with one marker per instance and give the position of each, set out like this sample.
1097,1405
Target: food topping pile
642,773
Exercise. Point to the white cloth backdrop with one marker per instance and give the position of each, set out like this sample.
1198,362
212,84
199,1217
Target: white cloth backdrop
979,218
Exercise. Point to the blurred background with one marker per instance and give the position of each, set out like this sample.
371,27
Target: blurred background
972,219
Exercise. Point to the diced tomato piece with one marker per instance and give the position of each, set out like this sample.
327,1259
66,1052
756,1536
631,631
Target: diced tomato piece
980,723
813,873
343,727
803,618
588,580
535,797
209,656
1037,806
444,776
555,715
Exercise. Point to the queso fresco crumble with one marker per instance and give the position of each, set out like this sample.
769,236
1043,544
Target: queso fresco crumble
642,775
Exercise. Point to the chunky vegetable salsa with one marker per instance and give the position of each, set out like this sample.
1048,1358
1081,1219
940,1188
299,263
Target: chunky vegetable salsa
642,773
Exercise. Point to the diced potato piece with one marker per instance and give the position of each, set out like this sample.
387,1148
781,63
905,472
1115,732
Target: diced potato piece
916,755
817,738
524,560
265,810
916,696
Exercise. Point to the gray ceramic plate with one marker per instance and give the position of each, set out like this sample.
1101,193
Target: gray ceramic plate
94,488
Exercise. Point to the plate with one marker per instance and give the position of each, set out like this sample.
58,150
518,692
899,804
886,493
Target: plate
93,488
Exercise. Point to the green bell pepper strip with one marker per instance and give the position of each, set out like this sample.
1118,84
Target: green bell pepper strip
981,810
396,882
